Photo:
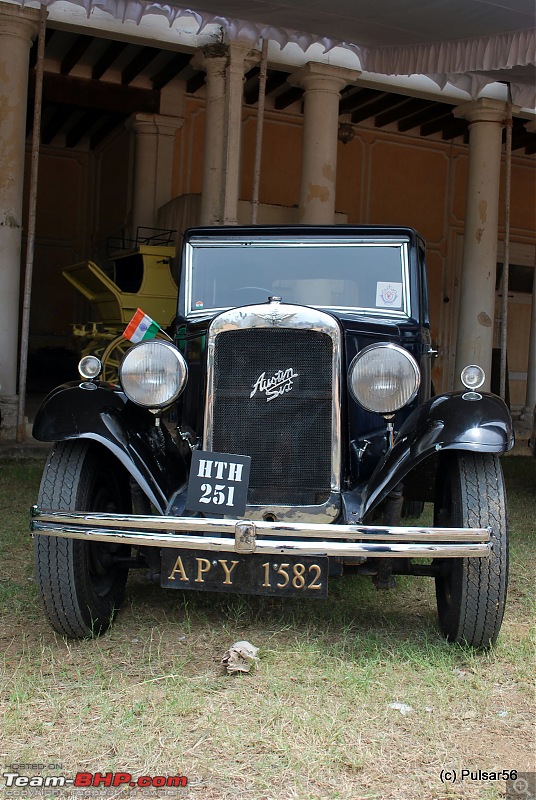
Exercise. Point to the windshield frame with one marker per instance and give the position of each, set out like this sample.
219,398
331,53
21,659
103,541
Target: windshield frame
401,242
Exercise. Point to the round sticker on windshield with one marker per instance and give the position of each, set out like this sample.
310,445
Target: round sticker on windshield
199,304
388,295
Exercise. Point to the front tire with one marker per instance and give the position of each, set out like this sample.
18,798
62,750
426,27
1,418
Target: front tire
81,583
471,592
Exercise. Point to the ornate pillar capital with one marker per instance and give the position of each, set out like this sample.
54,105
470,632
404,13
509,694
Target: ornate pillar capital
211,59
20,22
323,77
483,110
155,124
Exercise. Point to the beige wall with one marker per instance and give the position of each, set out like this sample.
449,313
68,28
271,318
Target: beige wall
111,188
62,237
83,198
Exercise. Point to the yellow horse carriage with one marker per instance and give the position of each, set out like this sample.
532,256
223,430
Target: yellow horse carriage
138,277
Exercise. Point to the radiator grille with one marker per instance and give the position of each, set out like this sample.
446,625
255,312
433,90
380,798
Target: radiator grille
288,437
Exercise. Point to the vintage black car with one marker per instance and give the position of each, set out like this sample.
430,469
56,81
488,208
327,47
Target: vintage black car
278,440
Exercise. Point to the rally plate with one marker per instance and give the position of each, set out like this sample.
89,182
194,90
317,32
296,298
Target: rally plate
283,576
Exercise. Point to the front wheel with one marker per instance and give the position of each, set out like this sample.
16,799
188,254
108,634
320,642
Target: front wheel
471,592
81,583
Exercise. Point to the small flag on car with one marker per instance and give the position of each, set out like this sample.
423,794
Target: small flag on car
141,327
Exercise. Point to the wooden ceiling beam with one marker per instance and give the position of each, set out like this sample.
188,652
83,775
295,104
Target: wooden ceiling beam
49,33
112,52
99,95
409,106
81,128
455,127
274,80
251,92
436,125
356,99
251,86
254,72
288,97
75,53
195,83
170,70
382,103
54,125
435,111
104,129
138,64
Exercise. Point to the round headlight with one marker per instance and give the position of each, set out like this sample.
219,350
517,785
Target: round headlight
90,367
384,378
472,376
153,374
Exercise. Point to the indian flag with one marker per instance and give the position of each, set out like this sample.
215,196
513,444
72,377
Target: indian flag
140,328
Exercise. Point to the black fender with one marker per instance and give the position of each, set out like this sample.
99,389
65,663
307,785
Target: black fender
101,412
454,421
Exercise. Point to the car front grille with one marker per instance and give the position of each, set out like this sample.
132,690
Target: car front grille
273,400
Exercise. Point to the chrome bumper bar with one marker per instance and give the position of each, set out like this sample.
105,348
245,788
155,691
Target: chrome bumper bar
245,536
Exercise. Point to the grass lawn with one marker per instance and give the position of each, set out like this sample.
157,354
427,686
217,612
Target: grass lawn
315,720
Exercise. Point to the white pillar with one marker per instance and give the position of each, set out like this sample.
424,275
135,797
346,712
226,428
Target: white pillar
477,301
241,57
153,166
322,84
212,59
18,27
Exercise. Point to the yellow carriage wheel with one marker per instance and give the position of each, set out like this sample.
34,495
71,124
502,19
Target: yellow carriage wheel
113,355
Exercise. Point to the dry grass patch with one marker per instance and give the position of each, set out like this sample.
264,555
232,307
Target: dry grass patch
314,721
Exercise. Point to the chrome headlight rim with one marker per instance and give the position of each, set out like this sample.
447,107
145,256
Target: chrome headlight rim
472,383
174,368
363,354
90,367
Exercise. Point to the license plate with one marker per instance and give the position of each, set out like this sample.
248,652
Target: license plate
296,576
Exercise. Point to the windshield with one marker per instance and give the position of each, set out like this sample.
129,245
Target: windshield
351,274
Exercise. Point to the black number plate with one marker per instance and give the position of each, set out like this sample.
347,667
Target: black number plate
302,576
218,483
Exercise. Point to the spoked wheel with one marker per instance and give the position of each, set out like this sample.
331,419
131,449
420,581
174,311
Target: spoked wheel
112,357
471,592
81,583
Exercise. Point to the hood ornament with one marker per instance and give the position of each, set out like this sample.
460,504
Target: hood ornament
274,316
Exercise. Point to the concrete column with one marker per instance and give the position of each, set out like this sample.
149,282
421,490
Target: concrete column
477,297
322,84
18,27
153,167
212,59
241,57
530,400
